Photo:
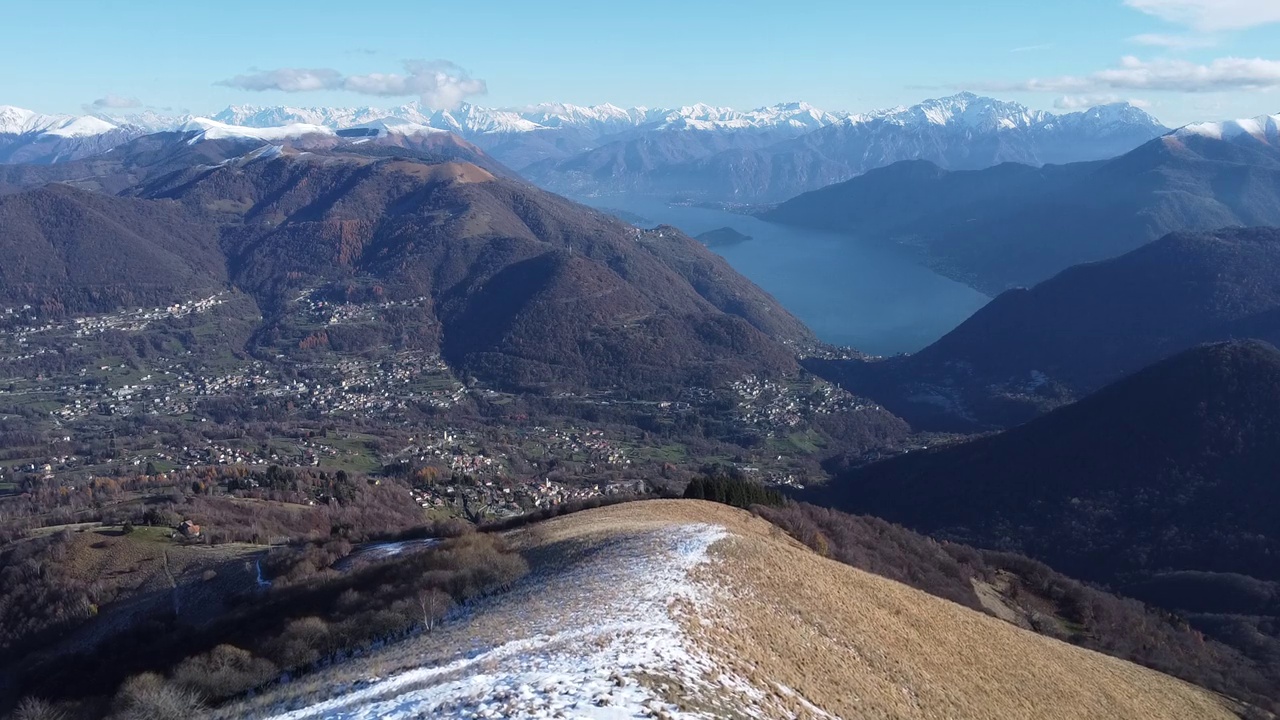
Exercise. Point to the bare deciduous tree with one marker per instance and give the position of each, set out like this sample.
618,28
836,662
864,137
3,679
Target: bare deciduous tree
434,605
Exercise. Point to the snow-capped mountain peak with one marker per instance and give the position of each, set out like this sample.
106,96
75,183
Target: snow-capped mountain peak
470,119
147,121
20,121
1265,128
400,126
565,115
83,126
209,129
963,109
797,115
256,116
27,136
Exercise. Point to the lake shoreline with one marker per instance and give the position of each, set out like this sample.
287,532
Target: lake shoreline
850,292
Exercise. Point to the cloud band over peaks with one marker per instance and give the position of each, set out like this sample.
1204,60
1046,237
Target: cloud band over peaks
1166,75
438,83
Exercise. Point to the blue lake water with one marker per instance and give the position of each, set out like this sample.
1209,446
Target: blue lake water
850,292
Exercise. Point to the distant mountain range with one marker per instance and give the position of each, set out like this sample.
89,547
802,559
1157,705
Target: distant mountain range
209,143
515,136
697,151
959,132
1031,350
1015,225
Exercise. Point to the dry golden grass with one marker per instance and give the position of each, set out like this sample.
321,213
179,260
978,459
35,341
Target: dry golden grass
860,646
812,637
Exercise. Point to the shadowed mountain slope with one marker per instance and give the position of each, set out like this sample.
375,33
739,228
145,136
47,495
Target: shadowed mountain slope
68,250
1169,468
1016,225
516,286
1031,350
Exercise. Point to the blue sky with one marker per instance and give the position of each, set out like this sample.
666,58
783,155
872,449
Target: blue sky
1186,59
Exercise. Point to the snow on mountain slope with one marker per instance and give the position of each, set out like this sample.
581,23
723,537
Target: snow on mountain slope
257,116
581,655
468,119
148,121
82,127
686,609
797,116
961,110
1265,128
19,121
31,137
207,129
607,116
806,149
970,111
400,126
844,144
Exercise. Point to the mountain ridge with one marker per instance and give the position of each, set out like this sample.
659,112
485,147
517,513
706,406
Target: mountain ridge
1163,470
673,604
1013,226
1030,350
512,285
547,131
963,131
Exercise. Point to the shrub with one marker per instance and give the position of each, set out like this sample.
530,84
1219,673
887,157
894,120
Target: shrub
303,642
150,697
223,672
36,709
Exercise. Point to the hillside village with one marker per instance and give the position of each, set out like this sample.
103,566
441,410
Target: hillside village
144,392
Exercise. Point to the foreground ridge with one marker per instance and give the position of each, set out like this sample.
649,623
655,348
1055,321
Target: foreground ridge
686,609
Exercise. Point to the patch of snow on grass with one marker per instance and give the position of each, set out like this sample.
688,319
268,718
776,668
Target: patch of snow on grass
374,552
597,638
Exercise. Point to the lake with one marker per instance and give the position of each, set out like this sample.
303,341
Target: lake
850,292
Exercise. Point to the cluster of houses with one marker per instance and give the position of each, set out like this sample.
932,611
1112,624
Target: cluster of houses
589,446
773,407
124,320
136,320
357,388
458,450
339,313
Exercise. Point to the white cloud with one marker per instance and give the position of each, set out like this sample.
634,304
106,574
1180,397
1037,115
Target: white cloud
1211,15
1160,75
1084,102
113,101
1174,42
438,83
288,80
